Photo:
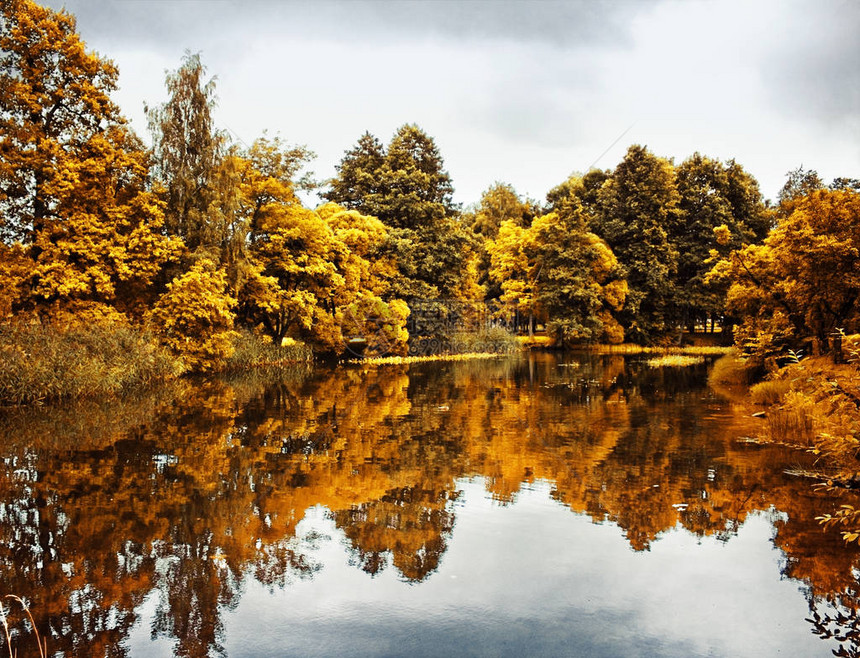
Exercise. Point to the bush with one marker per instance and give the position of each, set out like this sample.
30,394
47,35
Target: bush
195,317
43,363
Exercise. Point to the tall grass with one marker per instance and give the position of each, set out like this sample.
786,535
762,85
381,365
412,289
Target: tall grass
793,426
42,363
769,392
496,340
41,643
732,371
253,351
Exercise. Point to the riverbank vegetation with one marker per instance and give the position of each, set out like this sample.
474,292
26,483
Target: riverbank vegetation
202,249
795,297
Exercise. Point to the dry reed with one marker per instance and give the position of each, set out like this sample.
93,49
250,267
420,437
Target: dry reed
4,620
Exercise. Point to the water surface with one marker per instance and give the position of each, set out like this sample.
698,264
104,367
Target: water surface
534,505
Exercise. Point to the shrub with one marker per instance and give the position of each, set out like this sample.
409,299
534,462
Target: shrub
732,371
195,317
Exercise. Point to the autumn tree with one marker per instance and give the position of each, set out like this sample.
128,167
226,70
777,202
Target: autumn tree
845,183
195,316
559,272
104,248
358,184
404,185
637,206
498,203
753,217
369,275
407,188
244,182
186,150
580,285
711,195
72,175
295,291
316,277
514,269
55,97
799,183
582,190
804,280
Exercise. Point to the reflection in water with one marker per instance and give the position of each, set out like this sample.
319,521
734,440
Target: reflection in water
195,492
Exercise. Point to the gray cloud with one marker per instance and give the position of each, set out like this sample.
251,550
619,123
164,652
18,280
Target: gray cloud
562,23
540,103
520,90
812,71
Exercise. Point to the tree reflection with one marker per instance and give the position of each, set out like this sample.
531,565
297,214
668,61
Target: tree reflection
187,493
411,524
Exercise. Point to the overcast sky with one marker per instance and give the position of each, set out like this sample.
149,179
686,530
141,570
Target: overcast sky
522,92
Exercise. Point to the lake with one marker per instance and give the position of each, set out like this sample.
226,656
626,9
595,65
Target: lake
541,504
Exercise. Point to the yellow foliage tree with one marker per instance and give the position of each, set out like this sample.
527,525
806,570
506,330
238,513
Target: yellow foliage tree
512,267
804,281
558,272
72,175
103,248
295,288
579,283
319,277
195,317
368,273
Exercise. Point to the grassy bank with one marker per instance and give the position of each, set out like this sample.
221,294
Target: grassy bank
731,372
251,351
464,346
675,361
41,363
496,340
396,360
813,404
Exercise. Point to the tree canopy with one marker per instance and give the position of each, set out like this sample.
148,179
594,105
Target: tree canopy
804,280
404,185
73,177
637,212
562,274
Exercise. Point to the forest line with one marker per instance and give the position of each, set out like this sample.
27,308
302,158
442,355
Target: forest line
198,246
